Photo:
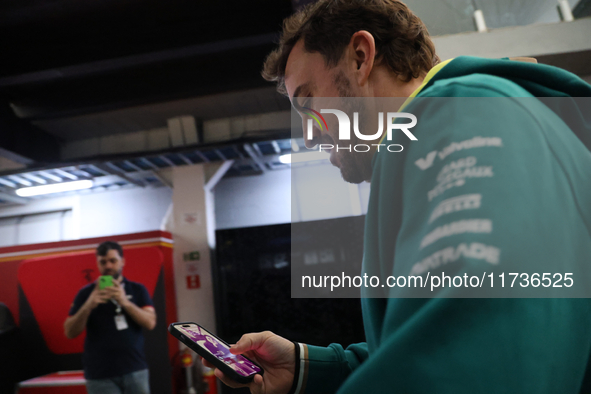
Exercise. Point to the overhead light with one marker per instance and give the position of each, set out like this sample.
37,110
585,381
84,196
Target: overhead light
304,157
285,159
54,188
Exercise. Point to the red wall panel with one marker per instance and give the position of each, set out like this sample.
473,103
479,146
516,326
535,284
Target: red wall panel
51,283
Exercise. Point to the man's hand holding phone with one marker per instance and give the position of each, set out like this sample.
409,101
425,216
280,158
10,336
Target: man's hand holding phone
106,289
274,353
97,297
116,292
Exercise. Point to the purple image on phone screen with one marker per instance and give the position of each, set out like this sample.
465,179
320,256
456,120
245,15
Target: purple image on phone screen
207,341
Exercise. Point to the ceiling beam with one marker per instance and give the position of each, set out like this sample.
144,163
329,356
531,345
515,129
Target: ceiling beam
254,155
218,174
111,65
111,169
197,149
28,143
49,95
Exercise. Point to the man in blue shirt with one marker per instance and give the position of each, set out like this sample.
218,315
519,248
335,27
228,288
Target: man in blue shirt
113,359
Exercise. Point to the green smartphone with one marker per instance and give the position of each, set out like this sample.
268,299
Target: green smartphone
105,281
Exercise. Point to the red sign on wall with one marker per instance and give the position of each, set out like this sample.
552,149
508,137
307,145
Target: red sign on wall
193,282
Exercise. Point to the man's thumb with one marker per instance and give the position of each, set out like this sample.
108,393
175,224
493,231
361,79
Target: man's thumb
249,342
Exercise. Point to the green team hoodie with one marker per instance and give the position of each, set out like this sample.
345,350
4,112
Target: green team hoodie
532,203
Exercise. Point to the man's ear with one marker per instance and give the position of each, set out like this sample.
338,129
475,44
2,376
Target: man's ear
363,52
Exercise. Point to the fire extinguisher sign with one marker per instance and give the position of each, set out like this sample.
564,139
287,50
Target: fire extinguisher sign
193,282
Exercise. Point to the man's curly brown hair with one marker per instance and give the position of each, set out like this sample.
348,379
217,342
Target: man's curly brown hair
402,40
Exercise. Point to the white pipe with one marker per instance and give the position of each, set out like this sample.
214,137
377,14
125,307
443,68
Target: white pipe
566,13
480,23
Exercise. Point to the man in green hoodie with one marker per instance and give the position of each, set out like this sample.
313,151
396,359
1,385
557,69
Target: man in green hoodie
501,188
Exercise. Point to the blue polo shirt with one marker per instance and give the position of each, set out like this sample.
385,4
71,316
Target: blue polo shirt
109,352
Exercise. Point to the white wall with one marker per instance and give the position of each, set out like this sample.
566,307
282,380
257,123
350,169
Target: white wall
319,192
305,192
311,191
84,216
123,211
253,200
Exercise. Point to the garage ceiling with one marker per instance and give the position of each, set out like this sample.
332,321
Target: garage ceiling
74,70
150,116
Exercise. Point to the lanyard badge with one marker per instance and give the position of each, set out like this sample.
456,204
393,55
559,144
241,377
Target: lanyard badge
120,320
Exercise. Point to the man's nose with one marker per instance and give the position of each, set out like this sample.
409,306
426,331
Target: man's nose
311,143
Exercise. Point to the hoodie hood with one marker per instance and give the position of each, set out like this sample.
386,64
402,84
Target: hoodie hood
539,80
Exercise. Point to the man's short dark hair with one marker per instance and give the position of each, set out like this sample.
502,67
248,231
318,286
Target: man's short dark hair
402,40
104,248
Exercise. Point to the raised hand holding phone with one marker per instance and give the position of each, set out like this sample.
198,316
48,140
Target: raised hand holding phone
98,296
272,352
263,362
116,292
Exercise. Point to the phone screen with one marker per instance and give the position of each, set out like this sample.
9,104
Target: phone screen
105,281
207,341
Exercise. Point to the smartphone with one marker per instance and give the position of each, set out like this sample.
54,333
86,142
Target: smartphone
216,351
105,281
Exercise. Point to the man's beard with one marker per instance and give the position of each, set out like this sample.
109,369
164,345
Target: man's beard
115,274
355,166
